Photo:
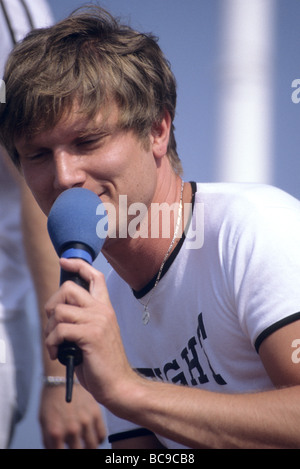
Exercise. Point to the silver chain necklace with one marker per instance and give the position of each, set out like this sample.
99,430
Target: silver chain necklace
146,314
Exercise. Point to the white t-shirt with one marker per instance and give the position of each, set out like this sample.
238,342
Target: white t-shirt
14,276
216,303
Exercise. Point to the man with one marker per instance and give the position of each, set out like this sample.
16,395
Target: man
192,341
80,423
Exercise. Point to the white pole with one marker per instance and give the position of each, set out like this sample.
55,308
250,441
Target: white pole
244,137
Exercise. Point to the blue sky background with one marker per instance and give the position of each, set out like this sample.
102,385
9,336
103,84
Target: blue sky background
189,32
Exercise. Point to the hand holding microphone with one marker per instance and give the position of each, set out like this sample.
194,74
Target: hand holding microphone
72,226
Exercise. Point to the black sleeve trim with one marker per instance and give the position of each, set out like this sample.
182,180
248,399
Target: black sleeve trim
130,434
275,327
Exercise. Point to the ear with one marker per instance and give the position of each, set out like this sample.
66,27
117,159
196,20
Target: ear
160,134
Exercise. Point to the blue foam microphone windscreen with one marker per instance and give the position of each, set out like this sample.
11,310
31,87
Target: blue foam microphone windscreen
73,219
72,227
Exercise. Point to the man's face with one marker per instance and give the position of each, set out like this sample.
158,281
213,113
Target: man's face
95,155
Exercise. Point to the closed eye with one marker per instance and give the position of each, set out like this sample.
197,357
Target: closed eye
41,155
88,142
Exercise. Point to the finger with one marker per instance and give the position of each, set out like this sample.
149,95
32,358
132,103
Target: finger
90,437
69,293
70,332
59,334
63,313
100,430
53,442
94,432
94,277
73,438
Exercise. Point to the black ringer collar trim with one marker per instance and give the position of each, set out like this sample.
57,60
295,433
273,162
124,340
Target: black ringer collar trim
139,294
274,327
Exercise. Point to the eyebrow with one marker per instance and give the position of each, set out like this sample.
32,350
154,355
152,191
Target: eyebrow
86,133
97,130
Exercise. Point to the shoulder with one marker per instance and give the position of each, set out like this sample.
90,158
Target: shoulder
245,214
244,195
237,204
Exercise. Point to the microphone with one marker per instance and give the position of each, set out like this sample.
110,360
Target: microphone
72,226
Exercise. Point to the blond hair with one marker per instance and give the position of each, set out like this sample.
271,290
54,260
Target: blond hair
88,58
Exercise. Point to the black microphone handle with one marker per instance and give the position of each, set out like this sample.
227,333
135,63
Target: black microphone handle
74,277
69,354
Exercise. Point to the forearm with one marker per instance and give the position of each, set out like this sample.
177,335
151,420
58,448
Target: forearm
203,419
43,263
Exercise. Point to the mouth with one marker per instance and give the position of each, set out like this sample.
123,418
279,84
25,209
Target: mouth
102,195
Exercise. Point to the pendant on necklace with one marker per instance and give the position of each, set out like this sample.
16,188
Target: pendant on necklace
146,315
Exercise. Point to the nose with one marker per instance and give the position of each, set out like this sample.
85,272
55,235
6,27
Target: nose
68,171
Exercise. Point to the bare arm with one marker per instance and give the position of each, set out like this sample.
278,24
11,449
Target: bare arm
193,417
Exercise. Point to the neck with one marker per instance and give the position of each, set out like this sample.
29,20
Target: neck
138,260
